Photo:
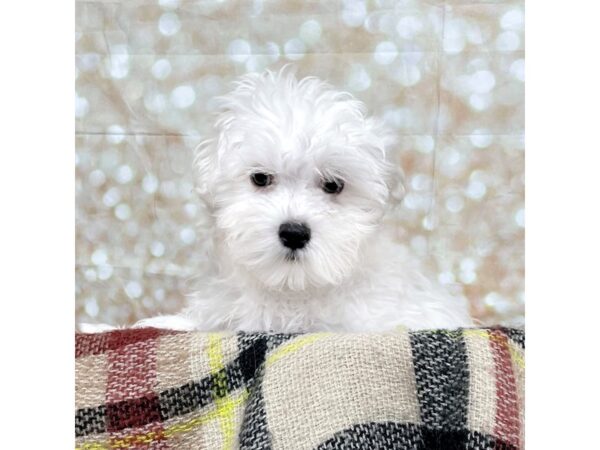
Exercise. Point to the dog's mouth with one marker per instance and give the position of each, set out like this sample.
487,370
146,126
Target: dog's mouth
292,256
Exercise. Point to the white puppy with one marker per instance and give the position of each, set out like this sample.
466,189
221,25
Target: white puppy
297,181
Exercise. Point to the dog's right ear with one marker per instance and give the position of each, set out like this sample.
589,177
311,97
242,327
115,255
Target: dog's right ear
387,144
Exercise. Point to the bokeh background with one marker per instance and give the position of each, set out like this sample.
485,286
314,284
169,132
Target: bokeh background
448,76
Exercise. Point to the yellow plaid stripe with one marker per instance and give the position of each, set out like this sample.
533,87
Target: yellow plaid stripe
292,346
516,353
225,411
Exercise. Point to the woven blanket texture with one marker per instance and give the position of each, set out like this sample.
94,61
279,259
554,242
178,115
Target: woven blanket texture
159,389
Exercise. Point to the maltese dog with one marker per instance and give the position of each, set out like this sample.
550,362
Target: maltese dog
296,179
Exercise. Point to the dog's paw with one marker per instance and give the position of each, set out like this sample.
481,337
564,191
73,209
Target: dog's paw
178,323
94,327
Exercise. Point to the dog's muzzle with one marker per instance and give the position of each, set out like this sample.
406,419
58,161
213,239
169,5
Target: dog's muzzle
294,235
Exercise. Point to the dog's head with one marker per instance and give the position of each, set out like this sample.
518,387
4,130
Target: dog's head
297,179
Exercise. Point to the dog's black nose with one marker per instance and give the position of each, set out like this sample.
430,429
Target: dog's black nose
294,235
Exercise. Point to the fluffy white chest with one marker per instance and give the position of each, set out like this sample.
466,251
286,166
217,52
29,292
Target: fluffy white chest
385,294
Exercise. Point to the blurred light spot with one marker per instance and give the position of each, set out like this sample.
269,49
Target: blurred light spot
187,235
82,106
476,190
90,275
508,41
517,69
481,138
257,7
420,182
97,178
468,265
124,174
256,63
425,144
118,62
169,24
451,157
474,34
157,249
123,211
480,102
88,62
408,27
310,32
419,244
385,52
191,210
468,277
294,49
161,69
429,223
168,4
155,102
520,218
483,249
354,12
115,134
386,23
159,294
211,84
91,307
455,204
482,81
186,188
183,97
133,289
168,189
454,37
99,257
358,78
398,117
150,183
238,50
446,277
407,74
411,201
512,20
371,22
272,50
105,271
497,303
111,197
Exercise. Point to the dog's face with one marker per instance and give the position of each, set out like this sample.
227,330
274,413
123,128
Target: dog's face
297,179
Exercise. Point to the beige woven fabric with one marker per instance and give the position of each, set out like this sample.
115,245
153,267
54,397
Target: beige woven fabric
91,393
482,399
330,382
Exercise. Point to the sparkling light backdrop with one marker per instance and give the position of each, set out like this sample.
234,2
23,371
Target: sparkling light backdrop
446,75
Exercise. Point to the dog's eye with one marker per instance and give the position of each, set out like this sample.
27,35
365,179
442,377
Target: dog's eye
332,186
261,179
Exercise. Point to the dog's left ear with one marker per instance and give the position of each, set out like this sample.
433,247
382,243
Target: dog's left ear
387,144
205,168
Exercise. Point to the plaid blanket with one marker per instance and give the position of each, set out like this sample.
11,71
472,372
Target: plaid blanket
157,389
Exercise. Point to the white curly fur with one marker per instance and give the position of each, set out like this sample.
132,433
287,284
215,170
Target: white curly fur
351,276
